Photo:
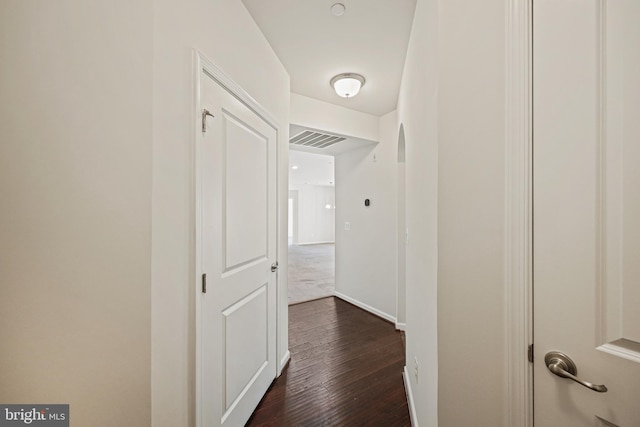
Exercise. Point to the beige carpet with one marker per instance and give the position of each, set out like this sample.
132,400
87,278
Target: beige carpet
311,272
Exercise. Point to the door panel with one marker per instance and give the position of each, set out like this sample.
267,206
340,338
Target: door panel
247,350
246,190
620,178
587,208
237,164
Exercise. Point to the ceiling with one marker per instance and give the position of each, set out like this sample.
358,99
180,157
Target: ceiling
370,38
311,169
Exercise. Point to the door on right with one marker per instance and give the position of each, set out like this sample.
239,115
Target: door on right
586,216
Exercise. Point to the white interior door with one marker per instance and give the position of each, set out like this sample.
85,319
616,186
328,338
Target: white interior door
237,164
587,209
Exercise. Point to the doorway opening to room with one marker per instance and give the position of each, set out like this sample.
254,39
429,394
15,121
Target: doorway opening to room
311,226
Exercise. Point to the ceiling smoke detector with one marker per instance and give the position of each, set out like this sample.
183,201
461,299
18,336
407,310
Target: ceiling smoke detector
338,9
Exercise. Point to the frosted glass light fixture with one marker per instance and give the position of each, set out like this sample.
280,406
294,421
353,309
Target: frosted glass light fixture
347,85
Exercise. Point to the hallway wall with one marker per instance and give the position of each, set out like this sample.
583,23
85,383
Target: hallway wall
96,166
471,213
75,215
321,115
366,254
225,32
452,107
418,112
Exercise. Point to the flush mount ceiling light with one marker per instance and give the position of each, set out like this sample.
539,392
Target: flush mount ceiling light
347,85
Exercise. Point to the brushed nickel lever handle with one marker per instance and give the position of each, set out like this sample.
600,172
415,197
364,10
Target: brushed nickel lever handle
561,365
274,266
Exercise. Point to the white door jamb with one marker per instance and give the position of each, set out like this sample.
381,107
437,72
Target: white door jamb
518,274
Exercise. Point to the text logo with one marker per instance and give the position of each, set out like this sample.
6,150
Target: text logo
34,415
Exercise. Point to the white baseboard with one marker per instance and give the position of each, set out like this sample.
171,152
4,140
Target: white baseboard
312,299
410,402
366,307
401,326
284,361
315,243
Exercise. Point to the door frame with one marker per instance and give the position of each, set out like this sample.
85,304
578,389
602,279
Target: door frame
519,212
293,195
201,64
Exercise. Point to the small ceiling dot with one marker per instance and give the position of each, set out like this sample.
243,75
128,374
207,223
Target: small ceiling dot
338,9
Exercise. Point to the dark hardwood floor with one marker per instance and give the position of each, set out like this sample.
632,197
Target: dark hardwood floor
345,370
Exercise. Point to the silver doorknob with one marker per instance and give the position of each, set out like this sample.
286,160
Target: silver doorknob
562,365
274,266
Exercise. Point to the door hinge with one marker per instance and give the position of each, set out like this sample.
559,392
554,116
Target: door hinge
530,353
204,283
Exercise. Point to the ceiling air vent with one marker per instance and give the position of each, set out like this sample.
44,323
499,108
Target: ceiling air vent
315,139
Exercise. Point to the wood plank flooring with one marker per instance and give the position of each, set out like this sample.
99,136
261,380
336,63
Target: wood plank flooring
345,370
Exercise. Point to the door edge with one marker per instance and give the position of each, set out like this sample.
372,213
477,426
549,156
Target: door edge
519,219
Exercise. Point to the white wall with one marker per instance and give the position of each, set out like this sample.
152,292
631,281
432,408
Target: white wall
316,223
471,207
224,31
452,108
401,294
418,112
96,248
321,115
365,254
75,210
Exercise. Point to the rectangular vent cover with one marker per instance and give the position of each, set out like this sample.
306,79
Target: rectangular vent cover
315,139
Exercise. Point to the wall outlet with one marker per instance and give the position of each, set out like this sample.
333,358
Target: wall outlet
347,226
415,369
